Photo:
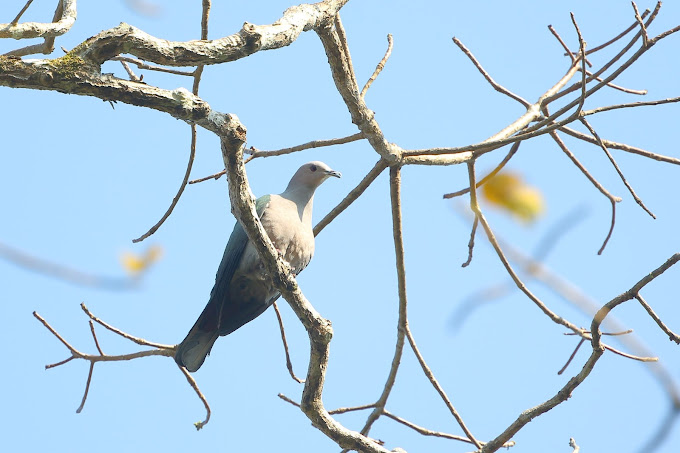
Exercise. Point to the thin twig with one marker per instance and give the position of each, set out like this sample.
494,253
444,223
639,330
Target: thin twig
214,176
21,13
618,170
613,199
255,153
614,86
496,86
351,196
127,336
582,58
513,149
289,364
643,29
342,410
402,321
194,385
87,388
573,354
192,152
619,36
94,337
180,191
142,65
427,432
471,242
288,400
74,351
621,146
630,105
379,67
671,336
131,74
54,365
430,376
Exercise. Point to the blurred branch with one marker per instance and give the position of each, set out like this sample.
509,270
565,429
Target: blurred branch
65,273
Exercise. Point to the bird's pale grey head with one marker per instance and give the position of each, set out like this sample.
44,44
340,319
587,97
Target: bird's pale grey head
311,175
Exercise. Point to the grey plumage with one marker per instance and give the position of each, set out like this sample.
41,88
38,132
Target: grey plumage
242,289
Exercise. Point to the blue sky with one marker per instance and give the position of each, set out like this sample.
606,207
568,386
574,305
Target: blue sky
79,180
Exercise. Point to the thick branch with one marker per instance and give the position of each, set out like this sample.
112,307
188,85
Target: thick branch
250,39
43,30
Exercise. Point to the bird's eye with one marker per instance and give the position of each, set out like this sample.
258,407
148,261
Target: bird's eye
312,167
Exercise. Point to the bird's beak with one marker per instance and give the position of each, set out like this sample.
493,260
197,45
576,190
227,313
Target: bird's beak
337,174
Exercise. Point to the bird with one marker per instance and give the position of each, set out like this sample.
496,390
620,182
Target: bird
242,289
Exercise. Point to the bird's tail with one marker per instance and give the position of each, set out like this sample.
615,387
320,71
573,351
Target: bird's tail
193,350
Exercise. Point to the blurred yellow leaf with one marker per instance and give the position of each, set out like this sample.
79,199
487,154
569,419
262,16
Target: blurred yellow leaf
135,264
509,192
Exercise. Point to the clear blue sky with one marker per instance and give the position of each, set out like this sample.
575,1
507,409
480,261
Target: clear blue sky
79,180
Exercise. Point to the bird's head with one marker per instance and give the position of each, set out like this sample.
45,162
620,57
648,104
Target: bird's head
312,174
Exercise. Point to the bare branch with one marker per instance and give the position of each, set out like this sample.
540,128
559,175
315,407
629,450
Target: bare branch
343,76
255,153
94,337
379,67
630,105
87,388
620,146
194,385
513,149
289,364
429,432
21,13
618,170
402,321
619,36
643,29
343,410
180,191
571,357
28,30
351,196
471,242
492,82
127,336
613,199
142,65
671,336
439,389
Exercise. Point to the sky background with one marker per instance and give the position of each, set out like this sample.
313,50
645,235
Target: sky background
79,180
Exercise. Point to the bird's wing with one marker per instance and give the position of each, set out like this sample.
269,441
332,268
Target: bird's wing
196,346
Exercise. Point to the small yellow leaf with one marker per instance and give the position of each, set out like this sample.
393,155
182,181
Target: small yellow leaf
508,191
135,264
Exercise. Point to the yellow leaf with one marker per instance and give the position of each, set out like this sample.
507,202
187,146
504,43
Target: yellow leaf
135,264
507,191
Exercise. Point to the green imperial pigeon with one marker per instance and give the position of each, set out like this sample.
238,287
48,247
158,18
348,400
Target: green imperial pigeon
242,288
